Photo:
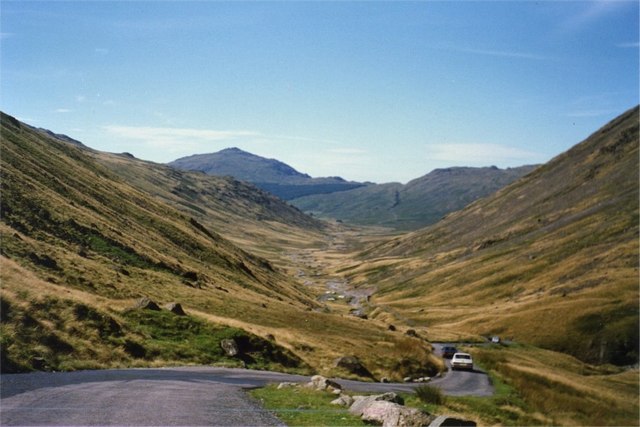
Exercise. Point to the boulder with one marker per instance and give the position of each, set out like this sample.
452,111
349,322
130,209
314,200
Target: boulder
353,365
230,347
147,304
175,308
389,414
412,333
318,382
361,402
447,421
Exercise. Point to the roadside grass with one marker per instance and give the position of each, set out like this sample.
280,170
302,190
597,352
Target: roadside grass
505,407
564,389
299,406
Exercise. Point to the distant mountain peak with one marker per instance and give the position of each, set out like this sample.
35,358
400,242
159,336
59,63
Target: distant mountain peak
271,175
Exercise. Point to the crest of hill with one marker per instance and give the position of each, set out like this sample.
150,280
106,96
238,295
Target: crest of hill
271,175
550,260
421,202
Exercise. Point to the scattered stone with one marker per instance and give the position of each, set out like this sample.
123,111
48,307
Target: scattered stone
271,337
146,304
391,328
447,421
286,385
343,400
361,402
175,308
422,380
407,379
353,365
389,414
412,333
229,346
384,380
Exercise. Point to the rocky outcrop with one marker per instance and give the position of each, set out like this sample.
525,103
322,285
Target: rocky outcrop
353,365
146,304
175,308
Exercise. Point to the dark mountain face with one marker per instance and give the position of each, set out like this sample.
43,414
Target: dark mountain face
422,201
271,175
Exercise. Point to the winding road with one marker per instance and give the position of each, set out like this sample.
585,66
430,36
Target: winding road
191,396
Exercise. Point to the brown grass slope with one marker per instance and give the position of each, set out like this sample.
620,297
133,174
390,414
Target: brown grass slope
251,218
550,260
85,233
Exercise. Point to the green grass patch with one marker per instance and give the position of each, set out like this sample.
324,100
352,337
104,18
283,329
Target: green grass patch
298,406
183,338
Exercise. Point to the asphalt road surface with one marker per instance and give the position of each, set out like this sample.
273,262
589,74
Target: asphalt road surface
190,396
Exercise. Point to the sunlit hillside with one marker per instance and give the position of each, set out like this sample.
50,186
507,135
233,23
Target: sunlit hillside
550,260
86,234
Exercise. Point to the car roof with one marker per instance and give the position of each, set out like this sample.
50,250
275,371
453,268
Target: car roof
461,354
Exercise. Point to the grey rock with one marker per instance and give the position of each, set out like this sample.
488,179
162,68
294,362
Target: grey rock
230,347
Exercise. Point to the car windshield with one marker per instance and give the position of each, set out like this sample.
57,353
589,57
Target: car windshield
463,356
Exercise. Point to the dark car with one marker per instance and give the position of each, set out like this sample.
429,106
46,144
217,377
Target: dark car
448,352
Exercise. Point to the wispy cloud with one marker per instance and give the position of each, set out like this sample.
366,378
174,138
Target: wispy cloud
501,53
164,136
480,154
592,12
590,113
632,45
62,110
347,151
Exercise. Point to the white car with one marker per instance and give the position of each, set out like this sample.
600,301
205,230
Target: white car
462,361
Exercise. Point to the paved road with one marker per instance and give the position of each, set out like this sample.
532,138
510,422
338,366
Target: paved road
462,383
173,396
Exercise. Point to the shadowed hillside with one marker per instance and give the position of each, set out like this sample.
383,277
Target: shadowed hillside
420,202
550,260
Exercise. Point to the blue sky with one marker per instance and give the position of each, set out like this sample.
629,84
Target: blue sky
370,91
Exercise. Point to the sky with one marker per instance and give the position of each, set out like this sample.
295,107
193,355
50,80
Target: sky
375,91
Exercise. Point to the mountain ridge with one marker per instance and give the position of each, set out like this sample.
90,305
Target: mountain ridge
420,202
269,174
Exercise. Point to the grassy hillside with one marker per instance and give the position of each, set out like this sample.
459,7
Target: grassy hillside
85,234
419,203
550,260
